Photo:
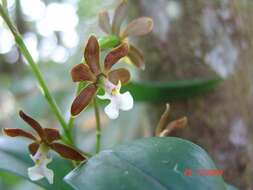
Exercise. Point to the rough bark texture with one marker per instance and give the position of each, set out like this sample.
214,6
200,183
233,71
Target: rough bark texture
200,39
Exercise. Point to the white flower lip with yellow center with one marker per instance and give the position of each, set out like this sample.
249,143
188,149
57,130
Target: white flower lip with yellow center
118,101
40,170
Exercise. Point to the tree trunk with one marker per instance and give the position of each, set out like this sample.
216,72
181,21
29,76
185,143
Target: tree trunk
202,39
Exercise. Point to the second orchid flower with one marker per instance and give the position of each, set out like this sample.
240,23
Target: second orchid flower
106,78
137,27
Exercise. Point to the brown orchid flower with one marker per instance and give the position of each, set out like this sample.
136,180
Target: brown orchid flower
45,136
137,27
91,72
43,141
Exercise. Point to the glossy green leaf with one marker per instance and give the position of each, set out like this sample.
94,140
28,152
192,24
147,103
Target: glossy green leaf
14,158
147,164
159,92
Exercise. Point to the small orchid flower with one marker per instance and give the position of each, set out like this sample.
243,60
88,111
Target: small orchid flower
118,101
40,169
137,27
105,78
43,141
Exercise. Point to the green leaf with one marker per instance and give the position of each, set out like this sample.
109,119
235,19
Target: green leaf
8,180
147,164
160,92
14,158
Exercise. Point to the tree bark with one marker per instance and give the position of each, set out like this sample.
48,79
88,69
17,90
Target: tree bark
202,39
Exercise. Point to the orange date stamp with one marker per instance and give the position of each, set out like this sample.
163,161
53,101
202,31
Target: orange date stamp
203,172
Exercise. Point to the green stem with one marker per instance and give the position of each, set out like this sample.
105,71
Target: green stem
98,128
35,69
4,2
108,42
71,122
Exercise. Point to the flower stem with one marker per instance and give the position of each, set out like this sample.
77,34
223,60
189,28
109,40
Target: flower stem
71,122
108,42
35,69
98,128
4,2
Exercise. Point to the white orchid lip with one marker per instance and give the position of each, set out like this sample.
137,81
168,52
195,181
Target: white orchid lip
118,101
40,170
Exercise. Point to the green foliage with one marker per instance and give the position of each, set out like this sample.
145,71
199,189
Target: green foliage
8,180
150,163
160,162
169,91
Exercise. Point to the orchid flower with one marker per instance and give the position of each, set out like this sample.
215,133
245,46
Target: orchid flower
118,101
105,78
138,27
43,141
40,169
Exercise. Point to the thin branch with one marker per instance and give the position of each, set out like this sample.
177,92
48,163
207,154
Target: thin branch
98,127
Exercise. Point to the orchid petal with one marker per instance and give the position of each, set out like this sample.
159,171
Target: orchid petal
115,55
33,148
82,72
138,27
112,110
91,55
136,57
117,75
119,15
67,152
104,22
11,132
52,134
40,169
35,173
34,124
38,172
49,174
118,101
126,101
83,99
